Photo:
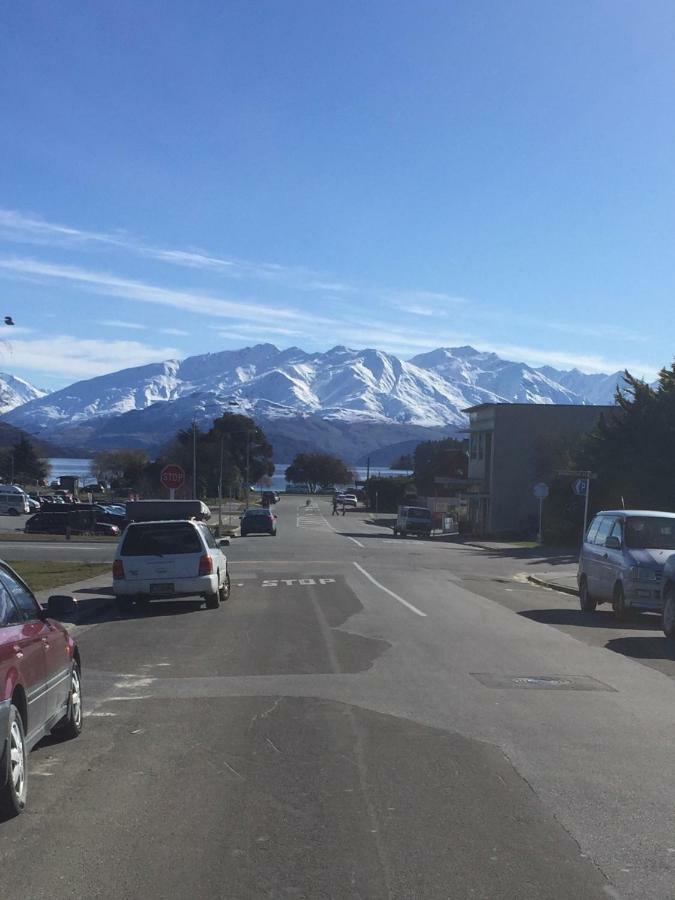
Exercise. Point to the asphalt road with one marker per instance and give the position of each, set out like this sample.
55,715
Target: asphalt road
365,718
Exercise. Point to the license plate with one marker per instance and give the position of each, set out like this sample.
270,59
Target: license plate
161,588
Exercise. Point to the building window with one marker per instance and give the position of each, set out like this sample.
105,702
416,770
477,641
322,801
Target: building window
480,445
472,445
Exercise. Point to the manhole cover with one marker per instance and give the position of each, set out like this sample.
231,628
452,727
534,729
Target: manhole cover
542,682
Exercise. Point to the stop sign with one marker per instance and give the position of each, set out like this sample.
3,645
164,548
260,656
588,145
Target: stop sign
172,476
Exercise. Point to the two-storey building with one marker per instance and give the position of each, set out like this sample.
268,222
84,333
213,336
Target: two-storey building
503,441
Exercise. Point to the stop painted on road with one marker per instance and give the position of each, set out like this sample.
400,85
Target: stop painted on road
299,582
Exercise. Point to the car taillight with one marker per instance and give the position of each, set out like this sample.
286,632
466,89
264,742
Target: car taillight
205,565
118,569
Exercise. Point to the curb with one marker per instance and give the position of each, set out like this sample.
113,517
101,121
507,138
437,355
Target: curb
561,588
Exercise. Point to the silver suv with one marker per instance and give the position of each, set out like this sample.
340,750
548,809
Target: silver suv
622,560
166,559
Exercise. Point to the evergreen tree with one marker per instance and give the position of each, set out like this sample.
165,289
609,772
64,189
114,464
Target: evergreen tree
633,452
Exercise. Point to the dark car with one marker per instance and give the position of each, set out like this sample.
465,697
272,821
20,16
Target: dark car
101,513
78,521
269,497
40,687
258,521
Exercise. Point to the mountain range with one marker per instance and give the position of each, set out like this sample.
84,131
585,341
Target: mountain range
15,392
353,402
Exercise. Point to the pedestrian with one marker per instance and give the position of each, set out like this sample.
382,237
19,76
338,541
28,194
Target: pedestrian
344,508
335,506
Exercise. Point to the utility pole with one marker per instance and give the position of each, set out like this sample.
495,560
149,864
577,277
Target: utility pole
220,487
248,464
588,491
194,459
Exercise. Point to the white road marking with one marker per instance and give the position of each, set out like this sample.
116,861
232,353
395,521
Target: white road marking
289,582
391,593
342,534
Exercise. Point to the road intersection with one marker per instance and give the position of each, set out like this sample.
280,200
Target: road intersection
366,717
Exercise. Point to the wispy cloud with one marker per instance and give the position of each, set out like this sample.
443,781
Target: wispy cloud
178,332
144,292
31,229
68,357
116,323
590,363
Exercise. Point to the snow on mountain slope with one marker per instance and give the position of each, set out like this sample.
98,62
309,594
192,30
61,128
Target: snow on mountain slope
502,380
594,388
15,392
342,385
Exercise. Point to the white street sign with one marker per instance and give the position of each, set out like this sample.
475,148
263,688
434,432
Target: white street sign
579,487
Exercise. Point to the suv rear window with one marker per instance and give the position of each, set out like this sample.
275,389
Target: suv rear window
165,539
418,512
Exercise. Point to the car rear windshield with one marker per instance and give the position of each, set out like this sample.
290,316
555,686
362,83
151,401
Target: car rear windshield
161,540
418,512
650,533
258,512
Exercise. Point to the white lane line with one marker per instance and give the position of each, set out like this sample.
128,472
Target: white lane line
391,593
342,534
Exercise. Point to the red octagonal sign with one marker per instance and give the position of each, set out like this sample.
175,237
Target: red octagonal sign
172,476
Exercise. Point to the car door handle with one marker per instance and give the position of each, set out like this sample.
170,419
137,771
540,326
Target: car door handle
18,651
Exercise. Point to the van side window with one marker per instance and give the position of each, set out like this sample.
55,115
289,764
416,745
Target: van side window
603,531
617,530
593,530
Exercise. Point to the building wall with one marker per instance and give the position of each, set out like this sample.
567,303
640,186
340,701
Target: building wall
508,468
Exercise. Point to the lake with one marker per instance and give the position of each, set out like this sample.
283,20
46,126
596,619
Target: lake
82,469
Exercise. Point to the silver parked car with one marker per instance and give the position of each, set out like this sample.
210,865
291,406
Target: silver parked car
668,597
622,560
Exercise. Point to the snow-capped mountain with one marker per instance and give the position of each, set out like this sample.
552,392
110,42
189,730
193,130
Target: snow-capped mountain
340,386
15,392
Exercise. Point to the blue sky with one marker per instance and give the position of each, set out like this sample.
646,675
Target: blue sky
180,178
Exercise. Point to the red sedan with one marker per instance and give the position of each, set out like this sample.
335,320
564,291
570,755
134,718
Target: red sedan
40,688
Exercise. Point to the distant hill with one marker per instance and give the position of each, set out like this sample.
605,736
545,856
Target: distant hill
353,402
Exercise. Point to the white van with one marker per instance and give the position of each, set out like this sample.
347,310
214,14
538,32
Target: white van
13,502
413,520
622,560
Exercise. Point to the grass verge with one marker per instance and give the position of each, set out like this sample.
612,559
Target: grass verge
41,575
22,537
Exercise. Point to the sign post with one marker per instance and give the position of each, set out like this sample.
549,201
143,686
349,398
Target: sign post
541,493
172,477
582,488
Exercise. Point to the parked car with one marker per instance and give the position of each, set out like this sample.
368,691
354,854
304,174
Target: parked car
79,521
413,520
167,559
13,503
668,597
258,520
33,505
40,685
346,499
622,560
106,529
